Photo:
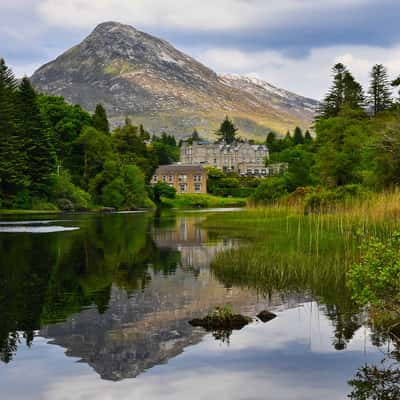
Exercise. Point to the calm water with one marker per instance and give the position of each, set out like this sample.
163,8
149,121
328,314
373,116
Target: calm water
97,307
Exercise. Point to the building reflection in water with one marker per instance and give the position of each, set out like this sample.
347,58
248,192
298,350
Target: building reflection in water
149,326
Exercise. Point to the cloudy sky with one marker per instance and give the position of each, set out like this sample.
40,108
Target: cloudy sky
290,43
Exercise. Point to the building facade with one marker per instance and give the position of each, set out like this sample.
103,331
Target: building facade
242,158
184,178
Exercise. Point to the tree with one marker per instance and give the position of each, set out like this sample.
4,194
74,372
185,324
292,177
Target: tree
345,91
96,149
307,137
341,143
13,160
162,189
100,121
379,90
396,83
195,135
37,141
227,131
298,136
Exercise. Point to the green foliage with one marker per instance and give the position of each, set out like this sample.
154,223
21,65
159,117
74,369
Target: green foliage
301,162
125,191
371,382
298,136
270,190
162,189
68,196
375,280
341,142
344,93
96,149
227,131
188,201
37,141
100,120
380,96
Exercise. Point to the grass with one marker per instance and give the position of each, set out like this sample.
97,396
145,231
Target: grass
189,201
287,251
26,212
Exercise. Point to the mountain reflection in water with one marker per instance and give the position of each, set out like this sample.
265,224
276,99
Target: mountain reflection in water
117,295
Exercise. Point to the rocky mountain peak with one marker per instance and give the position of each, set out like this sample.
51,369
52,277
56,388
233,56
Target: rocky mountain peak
141,76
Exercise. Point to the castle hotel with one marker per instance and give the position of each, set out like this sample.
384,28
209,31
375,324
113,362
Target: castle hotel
190,176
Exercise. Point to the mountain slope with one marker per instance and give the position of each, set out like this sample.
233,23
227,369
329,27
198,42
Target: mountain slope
137,75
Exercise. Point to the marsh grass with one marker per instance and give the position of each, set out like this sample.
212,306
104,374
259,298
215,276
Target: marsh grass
287,251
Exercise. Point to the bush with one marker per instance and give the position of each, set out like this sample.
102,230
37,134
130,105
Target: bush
375,280
64,189
23,200
270,190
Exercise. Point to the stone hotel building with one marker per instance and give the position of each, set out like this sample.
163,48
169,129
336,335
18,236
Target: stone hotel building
184,178
243,158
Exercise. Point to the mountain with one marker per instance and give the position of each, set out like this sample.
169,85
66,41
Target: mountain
138,75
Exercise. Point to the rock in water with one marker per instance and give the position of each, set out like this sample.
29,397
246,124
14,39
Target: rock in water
266,316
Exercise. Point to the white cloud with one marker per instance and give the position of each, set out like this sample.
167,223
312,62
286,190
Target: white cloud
188,14
310,75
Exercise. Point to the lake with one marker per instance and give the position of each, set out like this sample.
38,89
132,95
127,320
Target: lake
97,307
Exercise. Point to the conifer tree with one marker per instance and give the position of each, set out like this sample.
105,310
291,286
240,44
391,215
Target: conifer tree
12,156
307,137
379,90
227,131
37,140
298,136
345,91
100,120
396,83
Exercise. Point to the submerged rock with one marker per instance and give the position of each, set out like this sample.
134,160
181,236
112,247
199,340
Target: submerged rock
212,323
266,316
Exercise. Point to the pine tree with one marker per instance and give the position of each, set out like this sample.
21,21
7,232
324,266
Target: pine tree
345,91
298,136
379,90
100,121
12,156
396,83
353,94
37,140
227,131
307,137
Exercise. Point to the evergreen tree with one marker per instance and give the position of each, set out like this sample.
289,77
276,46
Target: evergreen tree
12,156
100,121
379,90
37,141
227,131
345,91
353,94
396,83
307,137
298,136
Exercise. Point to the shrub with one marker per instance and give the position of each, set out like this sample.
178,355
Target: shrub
375,280
270,190
64,189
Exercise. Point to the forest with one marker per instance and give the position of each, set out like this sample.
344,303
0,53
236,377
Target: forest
55,155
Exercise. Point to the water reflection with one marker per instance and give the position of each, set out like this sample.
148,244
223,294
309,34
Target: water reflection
118,293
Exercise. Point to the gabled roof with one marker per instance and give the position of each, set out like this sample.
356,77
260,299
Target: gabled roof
180,168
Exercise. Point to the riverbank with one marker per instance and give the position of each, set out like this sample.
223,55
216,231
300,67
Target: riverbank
190,201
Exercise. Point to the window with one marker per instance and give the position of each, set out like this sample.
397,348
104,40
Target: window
197,187
182,178
182,187
164,178
171,178
155,178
